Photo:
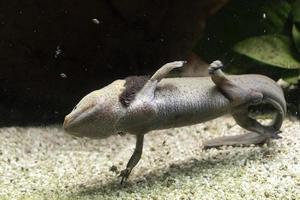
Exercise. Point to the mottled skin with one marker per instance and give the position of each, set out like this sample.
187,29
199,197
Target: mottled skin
173,102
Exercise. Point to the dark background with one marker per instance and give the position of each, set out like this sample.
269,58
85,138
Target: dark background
52,52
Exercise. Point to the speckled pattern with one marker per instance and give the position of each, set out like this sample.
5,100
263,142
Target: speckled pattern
45,163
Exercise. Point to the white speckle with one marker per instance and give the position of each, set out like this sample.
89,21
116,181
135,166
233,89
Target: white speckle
283,83
95,21
63,75
162,39
57,51
55,165
264,15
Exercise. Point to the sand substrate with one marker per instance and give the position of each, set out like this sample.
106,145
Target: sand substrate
46,163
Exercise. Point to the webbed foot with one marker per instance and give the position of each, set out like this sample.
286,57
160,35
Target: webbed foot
247,139
236,140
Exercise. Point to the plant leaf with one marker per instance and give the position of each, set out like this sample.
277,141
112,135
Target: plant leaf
292,79
296,11
296,37
276,15
241,19
273,50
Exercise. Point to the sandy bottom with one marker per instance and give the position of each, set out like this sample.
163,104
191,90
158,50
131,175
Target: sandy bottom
46,163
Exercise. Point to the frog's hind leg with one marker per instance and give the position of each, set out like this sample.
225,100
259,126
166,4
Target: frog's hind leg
235,93
239,97
256,136
259,134
236,140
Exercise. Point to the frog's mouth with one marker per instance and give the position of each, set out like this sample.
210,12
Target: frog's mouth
75,134
69,123
78,117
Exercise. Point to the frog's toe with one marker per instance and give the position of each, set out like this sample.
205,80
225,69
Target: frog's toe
215,65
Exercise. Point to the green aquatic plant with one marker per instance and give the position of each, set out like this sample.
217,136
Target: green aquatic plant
256,36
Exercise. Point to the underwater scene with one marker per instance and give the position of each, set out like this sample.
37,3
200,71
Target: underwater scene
106,99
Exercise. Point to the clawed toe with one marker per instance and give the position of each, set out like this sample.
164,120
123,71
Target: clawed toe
124,175
215,66
216,63
276,135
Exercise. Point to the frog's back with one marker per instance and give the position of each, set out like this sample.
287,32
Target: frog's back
186,101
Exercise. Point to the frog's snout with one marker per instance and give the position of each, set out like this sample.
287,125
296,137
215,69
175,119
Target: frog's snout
66,124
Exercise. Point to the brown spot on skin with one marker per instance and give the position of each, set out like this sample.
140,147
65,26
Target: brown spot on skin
133,84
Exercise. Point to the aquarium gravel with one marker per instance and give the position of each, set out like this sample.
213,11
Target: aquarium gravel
46,163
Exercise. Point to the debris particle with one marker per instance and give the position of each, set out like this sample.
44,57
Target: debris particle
57,51
95,21
283,83
113,169
63,75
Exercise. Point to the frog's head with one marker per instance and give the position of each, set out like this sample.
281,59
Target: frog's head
96,114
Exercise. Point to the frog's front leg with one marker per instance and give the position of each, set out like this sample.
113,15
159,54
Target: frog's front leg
136,156
140,113
147,92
